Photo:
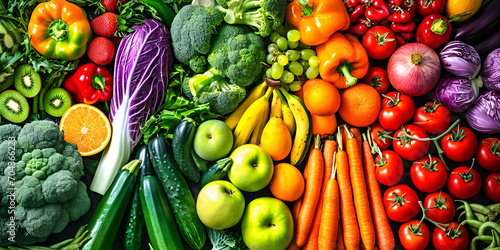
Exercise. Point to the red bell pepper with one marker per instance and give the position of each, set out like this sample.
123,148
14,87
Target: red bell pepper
403,27
402,7
351,3
376,10
435,29
356,13
400,15
407,35
361,27
427,7
400,40
90,83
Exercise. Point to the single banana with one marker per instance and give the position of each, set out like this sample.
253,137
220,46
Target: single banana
287,114
250,118
303,131
257,132
275,105
257,92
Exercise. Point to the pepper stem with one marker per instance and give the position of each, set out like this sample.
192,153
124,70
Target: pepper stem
345,69
416,58
98,81
58,30
306,9
439,26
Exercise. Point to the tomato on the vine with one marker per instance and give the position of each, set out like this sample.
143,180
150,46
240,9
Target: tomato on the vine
492,186
407,146
378,79
433,117
460,144
455,237
397,109
428,174
464,182
379,136
379,42
401,203
389,168
488,154
414,236
444,207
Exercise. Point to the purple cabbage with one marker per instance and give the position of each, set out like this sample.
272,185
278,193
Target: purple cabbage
460,59
456,93
142,66
484,114
491,71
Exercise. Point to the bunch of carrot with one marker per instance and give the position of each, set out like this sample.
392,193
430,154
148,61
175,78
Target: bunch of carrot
341,197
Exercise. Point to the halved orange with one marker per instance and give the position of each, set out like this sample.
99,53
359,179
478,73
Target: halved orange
87,127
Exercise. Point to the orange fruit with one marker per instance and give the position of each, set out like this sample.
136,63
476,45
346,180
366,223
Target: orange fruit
287,183
360,105
321,97
455,7
324,125
276,139
87,127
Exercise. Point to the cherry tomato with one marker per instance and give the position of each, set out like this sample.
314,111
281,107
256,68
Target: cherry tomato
413,238
377,78
444,207
492,186
428,174
390,168
410,148
397,109
460,144
378,133
488,154
401,203
455,237
379,42
433,117
464,182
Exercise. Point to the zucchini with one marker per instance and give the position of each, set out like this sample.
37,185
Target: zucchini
105,221
182,144
217,171
178,193
201,164
160,221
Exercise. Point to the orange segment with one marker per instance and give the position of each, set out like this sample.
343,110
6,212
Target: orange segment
87,127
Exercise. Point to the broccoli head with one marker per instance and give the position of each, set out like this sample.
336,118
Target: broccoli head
39,179
192,30
263,15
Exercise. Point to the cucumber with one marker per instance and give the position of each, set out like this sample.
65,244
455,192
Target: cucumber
182,144
105,221
201,164
216,172
178,193
160,221
162,10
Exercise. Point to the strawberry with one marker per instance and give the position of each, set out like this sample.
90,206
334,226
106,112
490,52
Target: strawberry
112,5
101,50
105,25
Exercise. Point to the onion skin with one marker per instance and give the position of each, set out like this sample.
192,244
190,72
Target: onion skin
410,78
484,114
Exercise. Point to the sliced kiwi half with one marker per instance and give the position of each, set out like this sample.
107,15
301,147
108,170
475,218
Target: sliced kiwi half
27,81
56,101
14,106
9,80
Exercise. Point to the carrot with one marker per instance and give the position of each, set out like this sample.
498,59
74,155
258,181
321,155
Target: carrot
357,134
327,238
340,238
383,231
348,214
295,214
314,172
360,194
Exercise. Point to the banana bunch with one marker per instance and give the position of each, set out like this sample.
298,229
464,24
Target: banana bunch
250,118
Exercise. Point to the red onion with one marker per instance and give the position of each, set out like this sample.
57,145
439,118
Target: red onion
414,69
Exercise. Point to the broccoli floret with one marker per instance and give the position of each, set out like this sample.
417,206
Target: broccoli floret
29,192
59,187
79,204
192,30
263,15
9,130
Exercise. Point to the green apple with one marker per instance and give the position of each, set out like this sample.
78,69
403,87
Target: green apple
213,140
252,168
220,205
267,224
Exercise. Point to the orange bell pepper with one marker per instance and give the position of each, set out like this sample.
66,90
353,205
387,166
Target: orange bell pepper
317,20
342,60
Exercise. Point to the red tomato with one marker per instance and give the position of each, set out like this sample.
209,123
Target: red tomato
457,239
377,133
413,238
460,144
390,168
488,154
433,117
464,182
428,174
377,78
401,203
397,109
492,186
444,207
410,148
379,42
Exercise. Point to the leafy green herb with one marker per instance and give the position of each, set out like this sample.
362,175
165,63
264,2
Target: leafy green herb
176,4
6,63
